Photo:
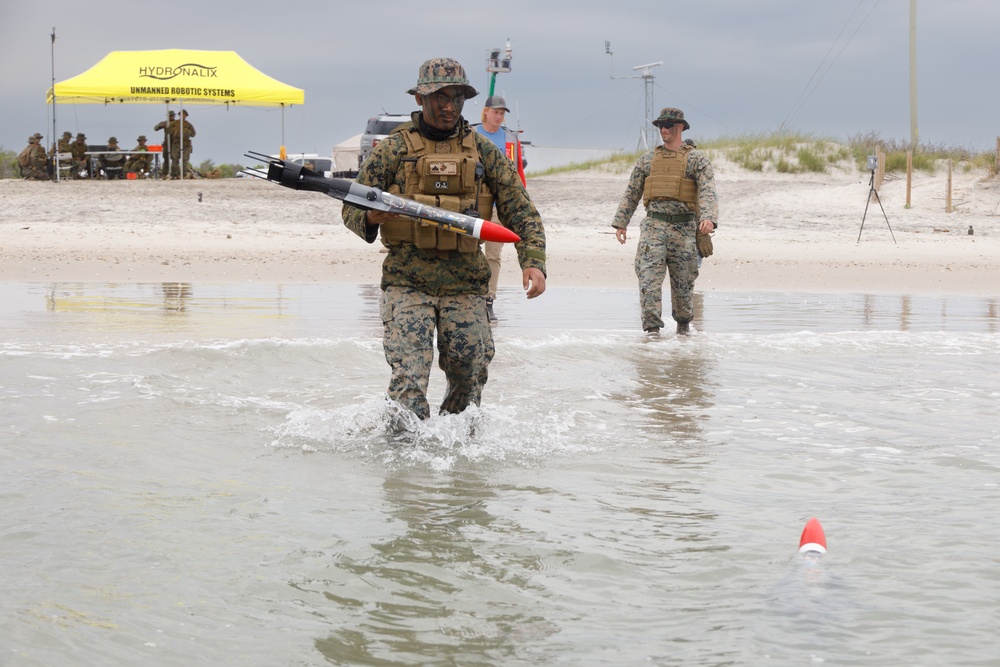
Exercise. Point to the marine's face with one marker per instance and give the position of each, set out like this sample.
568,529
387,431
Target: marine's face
671,132
443,108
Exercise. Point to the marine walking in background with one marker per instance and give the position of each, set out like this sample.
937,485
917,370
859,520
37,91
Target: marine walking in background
432,278
676,185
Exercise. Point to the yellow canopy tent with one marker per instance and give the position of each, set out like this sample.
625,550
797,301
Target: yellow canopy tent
176,75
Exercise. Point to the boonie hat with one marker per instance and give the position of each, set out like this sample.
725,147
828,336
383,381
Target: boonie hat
171,113
438,73
67,135
81,135
33,139
496,102
142,137
672,115
112,140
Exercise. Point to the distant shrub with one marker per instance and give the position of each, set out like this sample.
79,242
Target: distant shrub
8,164
209,169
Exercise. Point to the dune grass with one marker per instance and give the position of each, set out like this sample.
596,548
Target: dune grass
791,153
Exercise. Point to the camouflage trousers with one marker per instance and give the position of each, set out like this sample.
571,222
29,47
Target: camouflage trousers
666,247
32,173
492,252
464,343
177,158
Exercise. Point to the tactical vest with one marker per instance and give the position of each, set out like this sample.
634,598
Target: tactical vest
666,178
442,174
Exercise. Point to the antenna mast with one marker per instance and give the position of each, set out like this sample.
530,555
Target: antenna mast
647,135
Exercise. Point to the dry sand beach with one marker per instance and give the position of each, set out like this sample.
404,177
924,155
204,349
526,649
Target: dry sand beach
778,232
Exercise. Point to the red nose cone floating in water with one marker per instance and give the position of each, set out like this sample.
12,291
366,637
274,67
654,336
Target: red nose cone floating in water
813,538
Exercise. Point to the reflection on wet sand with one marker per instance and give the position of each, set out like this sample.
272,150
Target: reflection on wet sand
175,296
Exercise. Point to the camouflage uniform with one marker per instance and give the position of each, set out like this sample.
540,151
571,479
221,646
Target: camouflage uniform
111,165
32,161
62,146
180,151
424,289
139,164
165,125
668,246
78,149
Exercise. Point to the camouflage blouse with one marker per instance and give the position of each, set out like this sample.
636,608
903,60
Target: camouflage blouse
445,274
698,168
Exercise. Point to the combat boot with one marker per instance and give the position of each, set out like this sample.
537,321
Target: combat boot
683,328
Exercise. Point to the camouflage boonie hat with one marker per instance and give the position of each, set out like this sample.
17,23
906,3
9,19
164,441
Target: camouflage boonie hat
33,139
142,137
67,135
670,114
112,140
81,135
171,113
438,73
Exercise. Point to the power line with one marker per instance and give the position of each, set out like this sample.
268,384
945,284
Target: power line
806,91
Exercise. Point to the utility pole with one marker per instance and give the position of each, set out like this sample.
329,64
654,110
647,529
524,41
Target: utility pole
914,135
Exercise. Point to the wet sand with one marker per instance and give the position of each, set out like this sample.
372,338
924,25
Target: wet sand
777,232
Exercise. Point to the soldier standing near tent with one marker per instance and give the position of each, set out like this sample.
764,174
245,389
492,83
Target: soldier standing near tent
32,159
180,132
165,126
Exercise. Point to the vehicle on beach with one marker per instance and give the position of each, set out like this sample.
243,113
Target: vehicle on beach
377,129
315,161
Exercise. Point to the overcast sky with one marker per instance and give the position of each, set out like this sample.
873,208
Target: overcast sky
833,69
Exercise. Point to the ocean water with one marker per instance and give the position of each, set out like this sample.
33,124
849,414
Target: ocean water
201,474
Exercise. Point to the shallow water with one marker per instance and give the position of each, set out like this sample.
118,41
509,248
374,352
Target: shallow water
203,473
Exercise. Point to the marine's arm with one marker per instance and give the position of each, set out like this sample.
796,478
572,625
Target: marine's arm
379,171
517,212
633,195
700,169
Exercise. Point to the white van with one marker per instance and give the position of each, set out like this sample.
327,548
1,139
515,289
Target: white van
318,163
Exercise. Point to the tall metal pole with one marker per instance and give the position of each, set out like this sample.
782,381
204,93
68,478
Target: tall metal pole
54,135
914,135
648,130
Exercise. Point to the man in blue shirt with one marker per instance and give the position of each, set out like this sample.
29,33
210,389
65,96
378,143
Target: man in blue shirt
494,112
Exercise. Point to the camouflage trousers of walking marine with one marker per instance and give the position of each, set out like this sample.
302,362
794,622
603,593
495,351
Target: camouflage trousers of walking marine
666,247
464,343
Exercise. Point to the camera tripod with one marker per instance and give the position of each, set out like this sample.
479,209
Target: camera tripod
871,191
